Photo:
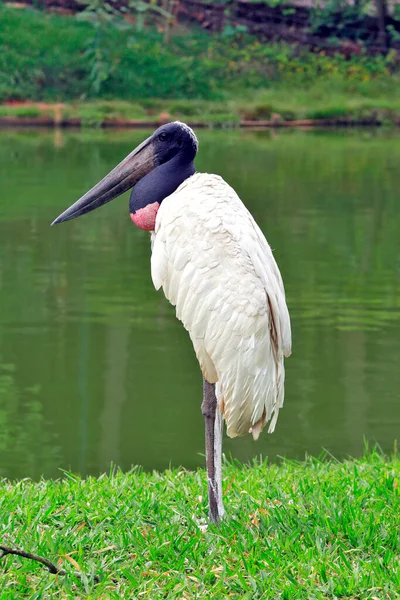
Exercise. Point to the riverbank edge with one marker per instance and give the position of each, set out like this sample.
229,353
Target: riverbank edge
154,124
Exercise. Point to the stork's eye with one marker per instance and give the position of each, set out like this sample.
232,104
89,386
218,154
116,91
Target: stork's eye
180,142
163,136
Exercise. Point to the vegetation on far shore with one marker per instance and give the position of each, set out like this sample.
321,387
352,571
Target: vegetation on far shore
274,107
316,529
113,73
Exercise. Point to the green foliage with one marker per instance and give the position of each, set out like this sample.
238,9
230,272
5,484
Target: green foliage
103,15
341,18
100,55
319,529
330,112
90,60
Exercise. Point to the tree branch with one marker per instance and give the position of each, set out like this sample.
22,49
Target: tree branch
52,568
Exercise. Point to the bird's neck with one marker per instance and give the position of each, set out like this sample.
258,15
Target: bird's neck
150,191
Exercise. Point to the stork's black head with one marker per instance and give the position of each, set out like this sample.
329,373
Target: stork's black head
156,168
174,139
175,146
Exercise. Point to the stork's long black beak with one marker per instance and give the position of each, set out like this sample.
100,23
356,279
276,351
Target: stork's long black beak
123,177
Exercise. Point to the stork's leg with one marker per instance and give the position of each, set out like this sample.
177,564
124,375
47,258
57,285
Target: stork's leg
213,423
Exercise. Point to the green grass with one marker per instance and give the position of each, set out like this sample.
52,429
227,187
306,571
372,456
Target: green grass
95,113
20,111
312,530
332,99
277,105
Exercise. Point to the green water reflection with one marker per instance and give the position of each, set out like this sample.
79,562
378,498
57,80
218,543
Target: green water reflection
94,367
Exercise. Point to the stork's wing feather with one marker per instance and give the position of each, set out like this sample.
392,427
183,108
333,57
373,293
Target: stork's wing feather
216,267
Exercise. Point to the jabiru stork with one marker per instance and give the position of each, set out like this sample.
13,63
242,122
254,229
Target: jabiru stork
216,267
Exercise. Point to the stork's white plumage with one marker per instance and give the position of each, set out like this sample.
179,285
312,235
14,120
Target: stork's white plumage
216,267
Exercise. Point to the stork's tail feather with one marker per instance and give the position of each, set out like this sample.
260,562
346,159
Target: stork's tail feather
256,404
257,428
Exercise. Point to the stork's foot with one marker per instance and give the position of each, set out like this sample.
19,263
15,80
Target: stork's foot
213,425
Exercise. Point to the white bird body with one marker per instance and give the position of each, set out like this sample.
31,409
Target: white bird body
215,265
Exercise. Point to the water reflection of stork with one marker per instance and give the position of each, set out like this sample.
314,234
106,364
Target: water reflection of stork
216,267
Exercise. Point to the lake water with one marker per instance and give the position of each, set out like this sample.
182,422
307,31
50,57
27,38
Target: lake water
94,367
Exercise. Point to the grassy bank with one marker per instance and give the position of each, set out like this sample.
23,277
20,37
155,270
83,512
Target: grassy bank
270,107
101,72
309,530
